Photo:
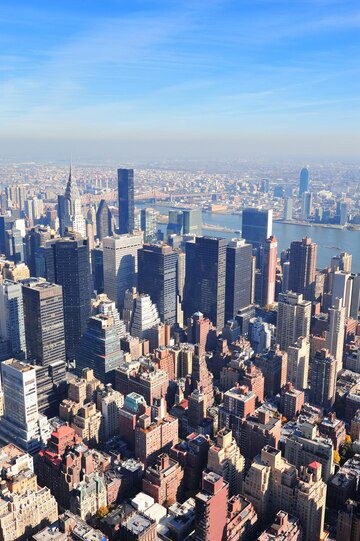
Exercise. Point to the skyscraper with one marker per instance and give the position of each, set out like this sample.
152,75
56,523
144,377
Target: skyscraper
120,256
298,363
336,332
104,221
256,225
211,508
342,289
304,181
126,200
302,267
323,379
99,348
238,277
268,271
306,205
12,326
288,208
72,272
44,321
157,278
69,209
293,319
20,424
148,224
205,279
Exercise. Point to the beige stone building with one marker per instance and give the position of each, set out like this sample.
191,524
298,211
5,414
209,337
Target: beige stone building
225,459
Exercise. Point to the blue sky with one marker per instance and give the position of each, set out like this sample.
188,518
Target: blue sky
198,76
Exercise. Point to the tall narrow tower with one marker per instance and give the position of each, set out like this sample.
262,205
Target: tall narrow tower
126,200
269,271
69,209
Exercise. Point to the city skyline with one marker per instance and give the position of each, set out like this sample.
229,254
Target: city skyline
218,79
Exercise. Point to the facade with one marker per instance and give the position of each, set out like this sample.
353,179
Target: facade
157,277
272,484
336,335
148,219
304,445
260,334
12,326
144,317
126,200
225,459
205,279
323,379
298,363
72,272
99,348
273,364
162,480
211,508
256,225
293,320
302,267
88,496
120,254
20,424
154,436
238,277
44,321
268,271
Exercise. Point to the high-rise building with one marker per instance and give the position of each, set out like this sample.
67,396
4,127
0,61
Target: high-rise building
288,209
69,209
303,181
298,363
323,379
225,459
256,225
302,267
126,200
20,423
211,508
272,484
205,279
306,205
260,334
268,271
157,268
184,222
238,277
144,317
120,254
273,364
336,333
44,321
348,522
104,221
342,289
72,272
148,224
12,326
99,348
293,320
341,262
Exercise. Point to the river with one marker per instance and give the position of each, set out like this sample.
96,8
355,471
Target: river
330,241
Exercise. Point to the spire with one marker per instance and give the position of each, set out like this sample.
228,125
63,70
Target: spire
72,191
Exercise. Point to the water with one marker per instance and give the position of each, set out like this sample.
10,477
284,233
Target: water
330,241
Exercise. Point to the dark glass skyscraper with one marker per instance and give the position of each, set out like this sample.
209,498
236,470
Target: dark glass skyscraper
126,200
205,279
256,225
157,276
304,181
72,272
103,221
44,321
99,348
238,277
302,269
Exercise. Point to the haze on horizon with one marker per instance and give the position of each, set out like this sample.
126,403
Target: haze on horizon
160,79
